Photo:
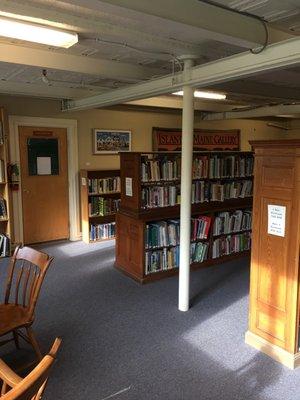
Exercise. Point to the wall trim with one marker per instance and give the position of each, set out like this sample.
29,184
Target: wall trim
290,360
71,125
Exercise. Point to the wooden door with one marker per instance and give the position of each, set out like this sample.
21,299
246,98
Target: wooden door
44,178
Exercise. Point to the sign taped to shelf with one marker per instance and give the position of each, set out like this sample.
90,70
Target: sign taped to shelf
276,220
128,187
165,139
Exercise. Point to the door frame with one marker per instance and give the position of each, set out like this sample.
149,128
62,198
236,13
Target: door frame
72,144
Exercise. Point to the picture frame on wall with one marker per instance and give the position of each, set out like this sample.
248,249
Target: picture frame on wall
109,141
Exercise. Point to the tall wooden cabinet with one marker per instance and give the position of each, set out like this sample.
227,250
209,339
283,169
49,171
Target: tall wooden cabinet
274,284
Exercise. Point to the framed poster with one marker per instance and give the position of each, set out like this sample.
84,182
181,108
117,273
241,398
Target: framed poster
111,141
165,139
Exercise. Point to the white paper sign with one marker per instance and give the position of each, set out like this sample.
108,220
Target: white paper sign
128,187
276,220
43,165
83,181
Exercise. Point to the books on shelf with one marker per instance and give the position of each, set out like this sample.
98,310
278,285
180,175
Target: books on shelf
167,233
226,245
231,166
230,222
4,245
216,166
3,208
232,190
160,196
163,169
162,243
101,206
202,191
104,185
102,231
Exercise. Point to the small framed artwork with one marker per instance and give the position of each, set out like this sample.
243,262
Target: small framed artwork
111,141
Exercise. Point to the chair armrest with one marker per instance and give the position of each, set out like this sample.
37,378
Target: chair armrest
8,376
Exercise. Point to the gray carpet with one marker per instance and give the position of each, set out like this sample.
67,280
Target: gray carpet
124,341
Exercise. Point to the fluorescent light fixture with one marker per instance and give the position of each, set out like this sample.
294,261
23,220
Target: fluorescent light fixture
36,33
204,95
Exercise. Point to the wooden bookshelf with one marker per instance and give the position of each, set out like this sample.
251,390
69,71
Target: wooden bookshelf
87,197
133,216
5,222
274,279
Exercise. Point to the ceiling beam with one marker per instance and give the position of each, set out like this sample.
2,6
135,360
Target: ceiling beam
258,89
268,111
213,22
37,90
34,57
278,55
175,102
91,23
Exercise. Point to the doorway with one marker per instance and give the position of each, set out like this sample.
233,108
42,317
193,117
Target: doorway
44,177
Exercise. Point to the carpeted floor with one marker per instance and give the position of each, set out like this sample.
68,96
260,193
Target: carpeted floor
124,341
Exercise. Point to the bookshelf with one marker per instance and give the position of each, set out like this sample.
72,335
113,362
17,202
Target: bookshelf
100,197
274,277
5,222
150,202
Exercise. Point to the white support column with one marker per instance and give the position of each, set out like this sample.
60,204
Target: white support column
186,183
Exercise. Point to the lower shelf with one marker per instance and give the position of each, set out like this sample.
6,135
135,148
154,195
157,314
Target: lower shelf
171,272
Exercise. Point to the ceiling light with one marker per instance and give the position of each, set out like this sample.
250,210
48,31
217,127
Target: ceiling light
204,95
36,33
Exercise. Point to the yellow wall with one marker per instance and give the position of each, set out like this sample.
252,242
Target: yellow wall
294,133
140,124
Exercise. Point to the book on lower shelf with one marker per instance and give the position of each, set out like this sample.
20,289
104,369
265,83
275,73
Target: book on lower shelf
101,206
102,231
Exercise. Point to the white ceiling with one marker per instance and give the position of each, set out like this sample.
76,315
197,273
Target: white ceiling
118,39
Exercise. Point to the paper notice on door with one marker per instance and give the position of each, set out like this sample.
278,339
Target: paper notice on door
128,187
276,220
43,165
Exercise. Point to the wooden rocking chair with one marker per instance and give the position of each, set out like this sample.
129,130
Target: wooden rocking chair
33,385
26,274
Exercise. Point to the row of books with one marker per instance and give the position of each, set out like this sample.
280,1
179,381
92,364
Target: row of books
202,191
4,245
103,206
104,185
231,190
160,169
2,171
217,166
230,166
168,258
102,231
229,222
167,233
3,209
230,244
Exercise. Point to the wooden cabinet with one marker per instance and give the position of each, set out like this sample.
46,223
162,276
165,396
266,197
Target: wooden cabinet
100,196
274,285
145,202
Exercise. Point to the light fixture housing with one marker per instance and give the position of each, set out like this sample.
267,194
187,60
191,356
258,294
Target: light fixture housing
42,34
204,95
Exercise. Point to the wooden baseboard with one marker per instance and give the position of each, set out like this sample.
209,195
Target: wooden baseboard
290,360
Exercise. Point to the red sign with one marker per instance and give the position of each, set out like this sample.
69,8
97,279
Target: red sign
170,139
